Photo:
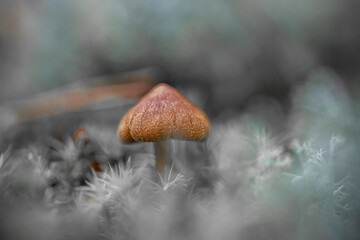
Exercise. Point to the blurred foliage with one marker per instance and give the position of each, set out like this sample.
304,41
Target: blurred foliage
259,175
238,48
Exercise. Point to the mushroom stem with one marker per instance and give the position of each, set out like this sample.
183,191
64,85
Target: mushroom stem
161,155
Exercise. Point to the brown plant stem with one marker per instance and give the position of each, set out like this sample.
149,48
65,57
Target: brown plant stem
161,155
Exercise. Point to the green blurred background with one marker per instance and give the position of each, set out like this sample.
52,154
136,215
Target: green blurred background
232,49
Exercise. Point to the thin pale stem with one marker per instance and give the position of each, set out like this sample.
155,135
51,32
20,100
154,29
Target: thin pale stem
161,155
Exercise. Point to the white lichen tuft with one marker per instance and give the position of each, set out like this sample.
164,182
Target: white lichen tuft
121,180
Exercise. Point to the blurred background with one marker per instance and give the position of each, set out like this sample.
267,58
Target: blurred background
279,80
231,53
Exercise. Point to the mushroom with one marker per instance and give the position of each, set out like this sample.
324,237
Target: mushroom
161,114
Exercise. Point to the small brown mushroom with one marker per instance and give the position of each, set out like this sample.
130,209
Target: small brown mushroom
161,114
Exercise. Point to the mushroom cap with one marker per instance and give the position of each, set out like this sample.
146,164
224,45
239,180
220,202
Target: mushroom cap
163,113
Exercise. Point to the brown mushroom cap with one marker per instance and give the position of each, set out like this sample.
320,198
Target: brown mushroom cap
163,113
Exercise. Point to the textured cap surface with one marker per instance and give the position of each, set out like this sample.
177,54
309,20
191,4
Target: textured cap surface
163,113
